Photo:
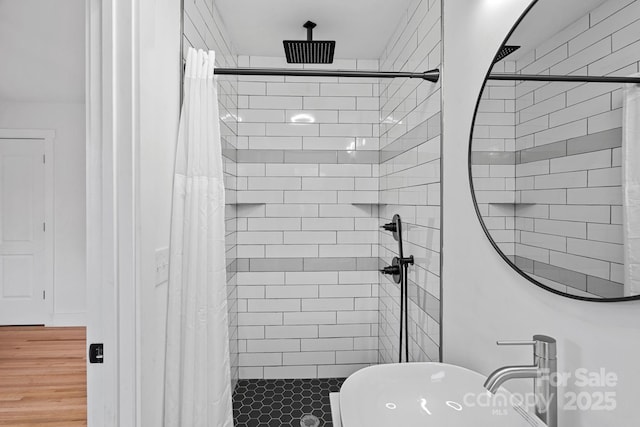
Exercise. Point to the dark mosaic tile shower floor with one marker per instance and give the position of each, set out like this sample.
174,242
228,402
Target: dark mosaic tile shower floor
275,403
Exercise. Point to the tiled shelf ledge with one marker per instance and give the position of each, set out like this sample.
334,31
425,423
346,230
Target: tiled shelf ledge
512,203
245,203
264,203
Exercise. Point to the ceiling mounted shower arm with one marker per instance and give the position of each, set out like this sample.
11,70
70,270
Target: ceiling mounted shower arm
430,75
309,26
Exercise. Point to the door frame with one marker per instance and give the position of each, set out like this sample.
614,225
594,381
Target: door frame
112,99
47,137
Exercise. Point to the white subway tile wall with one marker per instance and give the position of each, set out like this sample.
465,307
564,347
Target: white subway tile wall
311,171
584,120
567,194
493,157
203,29
307,239
409,183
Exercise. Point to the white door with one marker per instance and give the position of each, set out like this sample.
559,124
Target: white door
22,232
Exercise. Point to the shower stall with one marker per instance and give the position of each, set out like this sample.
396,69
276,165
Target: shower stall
314,165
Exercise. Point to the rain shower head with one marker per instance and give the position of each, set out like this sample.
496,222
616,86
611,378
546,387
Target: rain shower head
505,51
309,51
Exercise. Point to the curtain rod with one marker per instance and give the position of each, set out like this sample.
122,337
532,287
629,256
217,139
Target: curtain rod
557,78
431,75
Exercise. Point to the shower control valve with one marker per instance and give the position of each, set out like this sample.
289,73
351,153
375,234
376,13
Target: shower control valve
390,227
394,270
391,269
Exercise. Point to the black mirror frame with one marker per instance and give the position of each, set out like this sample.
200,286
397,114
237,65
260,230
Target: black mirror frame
475,203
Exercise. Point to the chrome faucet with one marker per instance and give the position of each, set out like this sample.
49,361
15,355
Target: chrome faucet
544,374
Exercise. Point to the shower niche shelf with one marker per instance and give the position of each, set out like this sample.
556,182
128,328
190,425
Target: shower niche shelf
245,203
512,203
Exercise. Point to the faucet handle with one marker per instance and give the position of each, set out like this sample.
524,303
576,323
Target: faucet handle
543,345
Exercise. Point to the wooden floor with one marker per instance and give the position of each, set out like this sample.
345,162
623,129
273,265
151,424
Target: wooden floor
42,376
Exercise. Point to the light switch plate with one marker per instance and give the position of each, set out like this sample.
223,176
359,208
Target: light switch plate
162,265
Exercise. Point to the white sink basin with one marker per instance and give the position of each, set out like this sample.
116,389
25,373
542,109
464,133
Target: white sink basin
426,394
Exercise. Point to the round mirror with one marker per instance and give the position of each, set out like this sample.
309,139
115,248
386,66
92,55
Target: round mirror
555,149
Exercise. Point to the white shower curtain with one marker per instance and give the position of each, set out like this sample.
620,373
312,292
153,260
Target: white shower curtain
197,372
631,187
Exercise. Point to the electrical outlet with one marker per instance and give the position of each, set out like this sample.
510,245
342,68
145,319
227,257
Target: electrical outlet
162,265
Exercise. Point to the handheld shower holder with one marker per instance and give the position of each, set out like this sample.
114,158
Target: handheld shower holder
407,261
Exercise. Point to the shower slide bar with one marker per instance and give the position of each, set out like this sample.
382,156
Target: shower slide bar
431,75
557,78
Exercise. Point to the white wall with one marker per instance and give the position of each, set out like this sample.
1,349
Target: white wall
42,87
159,112
486,300
69,197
